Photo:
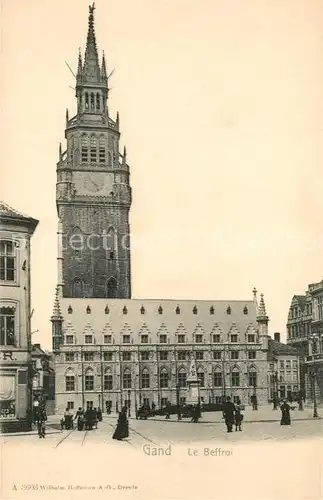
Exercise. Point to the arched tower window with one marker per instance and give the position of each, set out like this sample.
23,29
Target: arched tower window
163,378
84,148
93,149
111,244
109,159
86,101
112,288
78,289
72,150
145,379
92,101
97,101
102,149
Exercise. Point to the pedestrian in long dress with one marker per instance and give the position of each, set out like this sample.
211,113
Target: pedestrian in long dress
238,417
285,409
122,429
80,419
228,414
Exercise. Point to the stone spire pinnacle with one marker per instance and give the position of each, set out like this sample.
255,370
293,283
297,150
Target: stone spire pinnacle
56,309
103,69
91,67
261,313
79,66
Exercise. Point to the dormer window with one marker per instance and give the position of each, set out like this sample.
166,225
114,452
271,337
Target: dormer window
106,310
89,339
177,310
160,310
228,310
211,310
142,310
125,310
69,310
195,310
88,310
245,310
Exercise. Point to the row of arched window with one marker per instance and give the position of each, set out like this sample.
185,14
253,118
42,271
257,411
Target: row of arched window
164,378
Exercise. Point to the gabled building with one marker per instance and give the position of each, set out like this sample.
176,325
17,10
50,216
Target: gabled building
16,230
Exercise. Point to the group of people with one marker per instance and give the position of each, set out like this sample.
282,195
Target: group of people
232,414
85,419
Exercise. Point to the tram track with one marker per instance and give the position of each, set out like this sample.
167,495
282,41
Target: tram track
63,439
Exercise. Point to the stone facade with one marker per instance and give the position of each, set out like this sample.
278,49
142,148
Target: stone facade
284,370
305,333
115,350
16,230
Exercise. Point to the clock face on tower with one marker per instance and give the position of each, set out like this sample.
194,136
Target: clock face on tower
93,183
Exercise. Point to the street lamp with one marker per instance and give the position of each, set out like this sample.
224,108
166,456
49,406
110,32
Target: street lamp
275,391
177,401
129,402
313,338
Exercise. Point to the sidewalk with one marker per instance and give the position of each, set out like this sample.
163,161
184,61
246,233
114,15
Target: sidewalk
262,415
34,432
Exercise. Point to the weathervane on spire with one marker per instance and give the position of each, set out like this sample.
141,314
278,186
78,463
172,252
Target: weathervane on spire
92,8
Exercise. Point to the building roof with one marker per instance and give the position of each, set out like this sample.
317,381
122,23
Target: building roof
8,213
276,348
153,316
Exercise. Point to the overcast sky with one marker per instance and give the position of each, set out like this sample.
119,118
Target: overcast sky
221,111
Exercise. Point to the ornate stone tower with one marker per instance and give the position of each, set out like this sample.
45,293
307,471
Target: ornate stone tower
93,195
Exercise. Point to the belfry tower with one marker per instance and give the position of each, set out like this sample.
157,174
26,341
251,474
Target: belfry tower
93,195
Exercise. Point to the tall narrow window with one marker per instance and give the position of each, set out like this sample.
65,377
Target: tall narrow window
72,150
182,378
108,380
7,326
163,378
112,289
7,261
145,379
86,101
93,149
111,244
92,102
69,381
97,101
127,379
78,289
102,149
84,148
89,380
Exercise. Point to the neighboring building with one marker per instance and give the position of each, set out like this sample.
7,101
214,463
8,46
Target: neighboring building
284,369
43,376
107,347
305,333
16,230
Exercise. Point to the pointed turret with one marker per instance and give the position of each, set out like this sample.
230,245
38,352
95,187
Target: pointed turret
124,159
262,320
261,313
255,300
60,151
104,76
79,67
57,315
57,322
91,69
117,120
66,116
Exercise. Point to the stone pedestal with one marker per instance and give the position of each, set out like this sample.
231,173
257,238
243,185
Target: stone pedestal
193,385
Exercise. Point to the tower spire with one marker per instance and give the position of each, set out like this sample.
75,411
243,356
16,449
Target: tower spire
91,68
79,66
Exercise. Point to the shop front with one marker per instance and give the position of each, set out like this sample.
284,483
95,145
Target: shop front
15,415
